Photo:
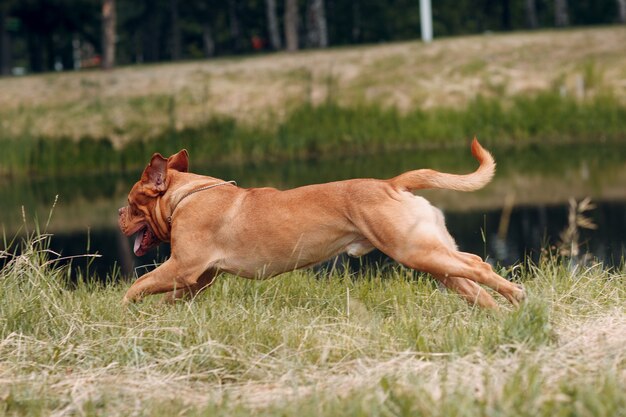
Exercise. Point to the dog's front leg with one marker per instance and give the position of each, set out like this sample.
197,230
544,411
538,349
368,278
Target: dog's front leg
170,276
205,281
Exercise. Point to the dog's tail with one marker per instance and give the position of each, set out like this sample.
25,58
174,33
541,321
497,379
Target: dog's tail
428,178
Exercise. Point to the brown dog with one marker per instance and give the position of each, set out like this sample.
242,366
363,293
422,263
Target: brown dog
215,226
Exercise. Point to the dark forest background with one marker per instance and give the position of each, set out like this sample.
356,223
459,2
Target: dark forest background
45,35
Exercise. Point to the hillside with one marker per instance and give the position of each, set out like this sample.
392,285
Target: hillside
144,100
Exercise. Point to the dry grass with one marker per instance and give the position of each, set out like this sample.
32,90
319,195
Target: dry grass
587,347
383,343
448,72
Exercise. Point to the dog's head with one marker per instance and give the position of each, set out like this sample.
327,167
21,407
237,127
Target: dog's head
142,217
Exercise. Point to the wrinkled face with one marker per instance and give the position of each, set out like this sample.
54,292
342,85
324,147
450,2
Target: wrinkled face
140,217
136,219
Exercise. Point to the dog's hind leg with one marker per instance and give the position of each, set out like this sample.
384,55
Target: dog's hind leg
443,262
425,250
469,290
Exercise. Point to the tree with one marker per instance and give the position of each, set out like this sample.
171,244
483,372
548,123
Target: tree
356,21
621,5
5,44
531,14
291,25
208,43
152,31
108,34
272,24
506,14
175,28
205,13
53,34
317,33
235,27
561,14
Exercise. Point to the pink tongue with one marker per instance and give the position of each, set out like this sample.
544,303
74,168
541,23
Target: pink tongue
138,239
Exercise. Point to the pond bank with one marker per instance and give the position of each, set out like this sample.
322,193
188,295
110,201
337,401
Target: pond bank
330,130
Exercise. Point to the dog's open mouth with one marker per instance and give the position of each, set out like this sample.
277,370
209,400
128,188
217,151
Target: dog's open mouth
144,240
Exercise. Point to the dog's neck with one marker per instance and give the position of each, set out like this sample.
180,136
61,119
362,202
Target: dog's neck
192,183
161,228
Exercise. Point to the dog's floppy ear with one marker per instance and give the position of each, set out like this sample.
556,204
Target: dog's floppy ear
179,161
155,173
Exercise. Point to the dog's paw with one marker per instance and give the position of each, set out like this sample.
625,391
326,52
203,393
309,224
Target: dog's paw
517,295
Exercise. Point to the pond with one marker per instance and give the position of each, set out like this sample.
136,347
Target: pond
523,211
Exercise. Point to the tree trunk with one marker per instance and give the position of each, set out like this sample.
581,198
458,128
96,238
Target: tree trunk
317,33
272,24
5,46
506,15
108,34
621,6
322,24
35,52
207,40
152,33
138,46
356,20
531,14
561,15
291,25
76,52
235,29
49,47
175,28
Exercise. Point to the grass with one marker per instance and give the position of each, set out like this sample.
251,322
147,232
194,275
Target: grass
378,342
331,130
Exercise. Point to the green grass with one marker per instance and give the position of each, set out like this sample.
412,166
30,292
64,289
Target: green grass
380,342
331,130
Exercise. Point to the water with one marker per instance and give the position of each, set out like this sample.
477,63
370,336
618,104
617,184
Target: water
531,189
